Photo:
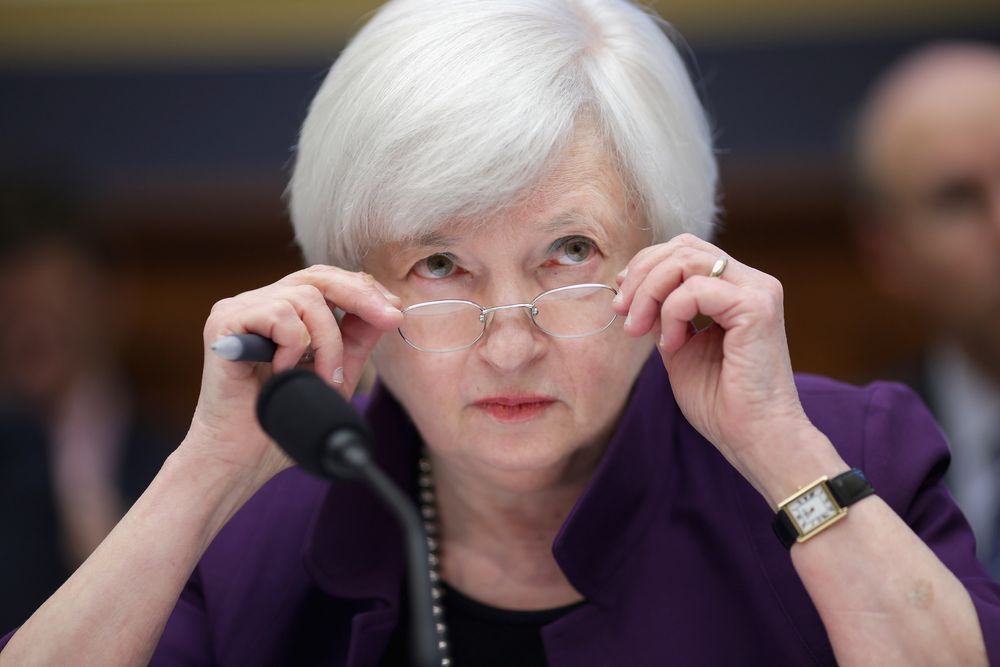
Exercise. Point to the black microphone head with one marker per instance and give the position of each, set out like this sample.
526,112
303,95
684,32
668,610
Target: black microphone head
311,422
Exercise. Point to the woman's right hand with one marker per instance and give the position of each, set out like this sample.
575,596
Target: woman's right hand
296,313
223,460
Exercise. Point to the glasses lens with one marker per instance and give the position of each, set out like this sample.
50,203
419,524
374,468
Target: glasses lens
572,312
442,326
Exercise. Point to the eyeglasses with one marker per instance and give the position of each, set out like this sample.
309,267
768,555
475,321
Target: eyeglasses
450,325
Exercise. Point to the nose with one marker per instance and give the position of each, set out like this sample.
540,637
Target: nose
512,341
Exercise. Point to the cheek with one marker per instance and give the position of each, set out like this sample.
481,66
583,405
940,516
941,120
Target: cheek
957,257
420,380
599,372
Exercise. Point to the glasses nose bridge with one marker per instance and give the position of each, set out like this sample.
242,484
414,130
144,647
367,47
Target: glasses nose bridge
532,309
486,315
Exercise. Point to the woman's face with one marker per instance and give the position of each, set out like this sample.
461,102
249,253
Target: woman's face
519,405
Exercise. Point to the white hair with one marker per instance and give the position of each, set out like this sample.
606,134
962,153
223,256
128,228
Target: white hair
440,110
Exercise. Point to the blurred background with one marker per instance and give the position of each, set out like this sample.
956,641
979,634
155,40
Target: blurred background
165,130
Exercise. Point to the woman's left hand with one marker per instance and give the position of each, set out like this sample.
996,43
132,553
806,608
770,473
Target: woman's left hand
733,381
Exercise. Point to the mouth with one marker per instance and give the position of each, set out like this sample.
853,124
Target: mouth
513,409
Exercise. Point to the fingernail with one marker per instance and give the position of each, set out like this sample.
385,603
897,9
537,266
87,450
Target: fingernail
390,310
662,342
618,299
338,375
622,274
628,319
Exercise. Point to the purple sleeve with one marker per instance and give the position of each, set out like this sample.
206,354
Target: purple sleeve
185,639
906,456
6,638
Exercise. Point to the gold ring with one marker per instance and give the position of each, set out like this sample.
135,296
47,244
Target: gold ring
719,266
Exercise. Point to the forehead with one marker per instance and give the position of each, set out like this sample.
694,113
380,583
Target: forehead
939,121
583,193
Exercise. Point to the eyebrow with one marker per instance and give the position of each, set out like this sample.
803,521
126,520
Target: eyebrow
438,239
572,219
434,239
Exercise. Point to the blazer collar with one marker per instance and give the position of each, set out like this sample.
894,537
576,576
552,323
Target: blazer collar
353,547
611,517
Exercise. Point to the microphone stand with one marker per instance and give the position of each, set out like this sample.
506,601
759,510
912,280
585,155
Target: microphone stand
345,451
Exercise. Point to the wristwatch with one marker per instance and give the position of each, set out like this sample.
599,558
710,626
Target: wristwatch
816,507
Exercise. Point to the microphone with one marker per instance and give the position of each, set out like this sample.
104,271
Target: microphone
315,425
325,435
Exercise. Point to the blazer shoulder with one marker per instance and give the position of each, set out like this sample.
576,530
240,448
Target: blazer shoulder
883,427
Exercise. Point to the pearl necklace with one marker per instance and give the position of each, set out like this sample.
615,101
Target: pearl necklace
428,510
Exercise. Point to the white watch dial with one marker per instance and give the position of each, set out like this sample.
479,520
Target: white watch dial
812,509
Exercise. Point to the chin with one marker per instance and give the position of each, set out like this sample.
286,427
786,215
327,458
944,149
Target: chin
526,461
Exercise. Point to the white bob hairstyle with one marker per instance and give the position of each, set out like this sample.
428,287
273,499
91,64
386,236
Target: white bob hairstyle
442,110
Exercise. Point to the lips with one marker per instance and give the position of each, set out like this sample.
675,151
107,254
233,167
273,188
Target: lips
511,409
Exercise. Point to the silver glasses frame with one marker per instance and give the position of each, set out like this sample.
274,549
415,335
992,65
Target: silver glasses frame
485,313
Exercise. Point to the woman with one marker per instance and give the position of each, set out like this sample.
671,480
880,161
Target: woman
490,153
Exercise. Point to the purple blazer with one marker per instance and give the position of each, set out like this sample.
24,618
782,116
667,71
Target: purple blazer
671,547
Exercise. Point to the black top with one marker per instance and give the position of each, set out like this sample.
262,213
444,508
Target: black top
483,636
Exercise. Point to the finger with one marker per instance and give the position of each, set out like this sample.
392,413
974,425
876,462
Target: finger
357,293
279,321
659,282
730,305
360,339
314,311
327,340
302,302
679,248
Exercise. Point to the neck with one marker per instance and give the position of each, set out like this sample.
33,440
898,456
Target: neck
497,531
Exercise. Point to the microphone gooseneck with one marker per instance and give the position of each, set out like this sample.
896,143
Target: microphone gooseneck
324,434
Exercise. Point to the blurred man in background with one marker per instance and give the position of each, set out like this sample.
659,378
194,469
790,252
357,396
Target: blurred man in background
928,166
73,455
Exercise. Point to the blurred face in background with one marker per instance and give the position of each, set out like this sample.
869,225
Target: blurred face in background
54,319
933,152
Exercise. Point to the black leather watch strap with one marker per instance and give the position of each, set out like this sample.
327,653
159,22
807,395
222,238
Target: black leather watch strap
785,530
850,487
847,488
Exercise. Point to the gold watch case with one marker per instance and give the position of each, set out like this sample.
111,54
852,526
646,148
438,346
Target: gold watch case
812,509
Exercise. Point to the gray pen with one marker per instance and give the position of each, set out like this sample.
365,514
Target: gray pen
249,347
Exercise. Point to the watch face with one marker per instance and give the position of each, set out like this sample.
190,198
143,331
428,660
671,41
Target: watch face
812,509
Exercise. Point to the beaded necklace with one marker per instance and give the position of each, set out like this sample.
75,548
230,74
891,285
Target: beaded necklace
428,510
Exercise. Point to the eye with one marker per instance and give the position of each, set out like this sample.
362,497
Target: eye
958,197
436,266
573,250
